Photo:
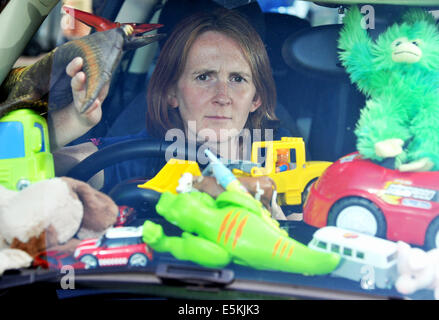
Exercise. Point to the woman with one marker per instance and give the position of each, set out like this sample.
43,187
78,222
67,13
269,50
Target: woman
212,80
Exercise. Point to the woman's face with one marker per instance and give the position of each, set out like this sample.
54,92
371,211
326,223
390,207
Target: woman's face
215,92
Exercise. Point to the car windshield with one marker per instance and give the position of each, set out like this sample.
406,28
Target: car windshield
326,186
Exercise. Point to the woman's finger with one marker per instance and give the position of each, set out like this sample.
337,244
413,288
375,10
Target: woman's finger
104,92
74,66
78,81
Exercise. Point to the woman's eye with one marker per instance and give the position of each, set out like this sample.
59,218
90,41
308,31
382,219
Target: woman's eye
237,79
202,77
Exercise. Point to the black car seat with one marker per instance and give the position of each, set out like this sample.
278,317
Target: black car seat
323,91
278,27
320,90
174,11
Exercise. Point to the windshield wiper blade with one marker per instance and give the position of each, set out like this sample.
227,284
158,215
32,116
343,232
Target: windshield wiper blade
194,275
23,277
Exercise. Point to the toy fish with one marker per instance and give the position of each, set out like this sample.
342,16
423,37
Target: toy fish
29,87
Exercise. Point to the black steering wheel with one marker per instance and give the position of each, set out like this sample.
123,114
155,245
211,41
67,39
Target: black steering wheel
115,153
126,192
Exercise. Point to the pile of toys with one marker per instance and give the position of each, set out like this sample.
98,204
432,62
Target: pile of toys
231,215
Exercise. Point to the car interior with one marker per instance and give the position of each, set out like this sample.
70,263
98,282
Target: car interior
315,100
274,28
326,120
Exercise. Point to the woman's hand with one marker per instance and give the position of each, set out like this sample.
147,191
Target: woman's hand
67,124
94,114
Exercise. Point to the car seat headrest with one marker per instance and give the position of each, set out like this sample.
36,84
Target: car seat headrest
278,28
314,50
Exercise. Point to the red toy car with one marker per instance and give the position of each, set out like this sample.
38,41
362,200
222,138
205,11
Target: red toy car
357,194
53,259
117,247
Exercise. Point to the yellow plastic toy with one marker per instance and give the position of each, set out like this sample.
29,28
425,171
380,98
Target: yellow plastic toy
292,184
167,178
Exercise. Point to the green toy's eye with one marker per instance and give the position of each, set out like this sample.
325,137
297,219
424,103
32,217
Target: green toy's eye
399,41
417,42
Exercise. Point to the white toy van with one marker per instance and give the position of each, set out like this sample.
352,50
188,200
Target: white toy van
367,259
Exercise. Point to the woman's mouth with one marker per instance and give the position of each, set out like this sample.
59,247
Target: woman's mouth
218,118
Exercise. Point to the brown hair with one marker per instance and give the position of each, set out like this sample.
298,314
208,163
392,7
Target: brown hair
172,60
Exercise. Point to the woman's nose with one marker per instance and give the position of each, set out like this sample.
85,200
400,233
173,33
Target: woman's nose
222,96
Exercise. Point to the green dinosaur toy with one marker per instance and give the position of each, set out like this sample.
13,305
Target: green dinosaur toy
399,75
231,228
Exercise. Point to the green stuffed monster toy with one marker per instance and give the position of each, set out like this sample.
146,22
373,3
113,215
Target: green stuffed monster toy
399,74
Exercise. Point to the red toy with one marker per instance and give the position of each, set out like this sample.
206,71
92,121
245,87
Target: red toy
117,247
53,259
357,194
125,216
102,24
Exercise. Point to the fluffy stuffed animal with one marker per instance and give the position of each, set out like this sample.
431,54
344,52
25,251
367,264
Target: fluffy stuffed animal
399,74
417,270
48,214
